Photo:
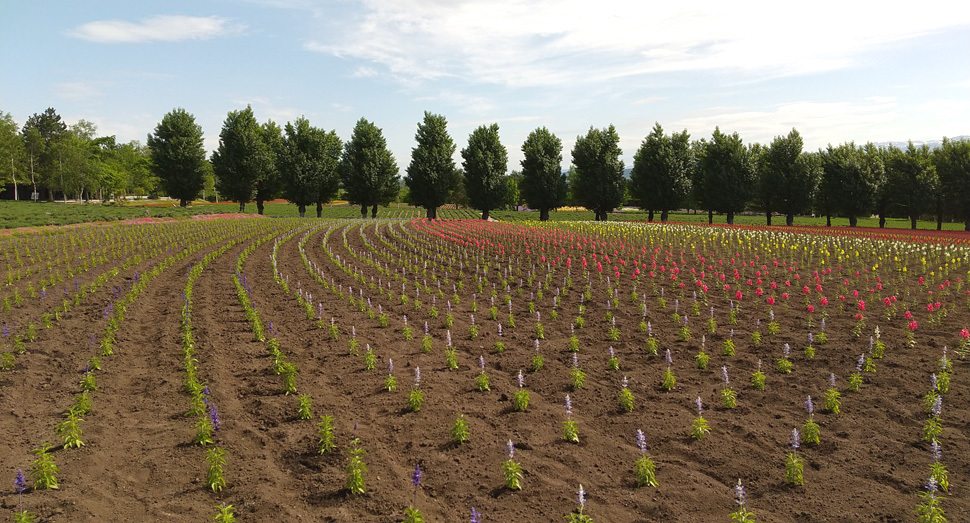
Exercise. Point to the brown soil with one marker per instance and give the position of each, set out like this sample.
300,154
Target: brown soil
139,462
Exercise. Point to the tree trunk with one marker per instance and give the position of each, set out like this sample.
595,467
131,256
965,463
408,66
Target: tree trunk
259,206
302,209
710,217
363,211
853,220
664,214
373,211
13,174
912,222
605,216
184,202
768,218
319,209
882,220
242,206
730,217
544,216
485,214
790,219
650,215
939,221
828,220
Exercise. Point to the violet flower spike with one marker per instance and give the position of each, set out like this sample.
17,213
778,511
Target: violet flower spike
667,357
509,449
569,406
581,497
724,374
739,493
625,382
832,380
699,405
795,439
20,482
417,377
809,406
936,450
641,441
416,476
520,379
476,516
390,366
481,362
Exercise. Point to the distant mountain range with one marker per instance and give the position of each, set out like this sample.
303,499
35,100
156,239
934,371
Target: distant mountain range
932,144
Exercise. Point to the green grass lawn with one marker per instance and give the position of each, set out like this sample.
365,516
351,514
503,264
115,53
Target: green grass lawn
29,214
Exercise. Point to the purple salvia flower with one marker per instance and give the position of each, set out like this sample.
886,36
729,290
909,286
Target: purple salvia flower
771,315
649,329
520,379
811,339
936,450
832,380
641,441
795,439
536,343
214,416
417,377
448,337
538,317
471,319
390,366
509,449
426,330
667,357
809,406
405,320
699,405
739,493
416,476
724,375
581,498
499,329
612,355
481,362
575,360
861,362
931,486
685,320
785,350
569,406
624,382
20,482
353,331
712,312
933,381
937,407
476,516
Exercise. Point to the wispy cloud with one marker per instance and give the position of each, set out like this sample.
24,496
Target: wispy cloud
551,42
162,28
77,91
819,123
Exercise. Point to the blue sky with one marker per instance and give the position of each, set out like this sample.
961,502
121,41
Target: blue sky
836,71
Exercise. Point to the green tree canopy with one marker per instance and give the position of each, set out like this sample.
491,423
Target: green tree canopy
660,179
432,175
791,175
848,183
728,174
485,160
952,162
543,183
269,184
11,154
41,132
243,157
912,180
368,170
308,165
178,155
599,182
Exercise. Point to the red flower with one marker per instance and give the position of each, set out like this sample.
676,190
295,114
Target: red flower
887,302
965,334
824,301
738,296
771,300
862,305
784,295
811,308
913,326
908,315
858,317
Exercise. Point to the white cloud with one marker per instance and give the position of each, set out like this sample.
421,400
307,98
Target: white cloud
552,42
364,72
77,91
341,107
162,28
819,123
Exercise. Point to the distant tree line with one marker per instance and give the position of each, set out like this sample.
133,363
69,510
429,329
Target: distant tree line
307,165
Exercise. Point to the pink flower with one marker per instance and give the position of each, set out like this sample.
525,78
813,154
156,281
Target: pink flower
929,307
806,290
759,291
811,308
965,334
858,317
908,315
738,296
824,301
862,305
771,300
887,302
913,326
784,295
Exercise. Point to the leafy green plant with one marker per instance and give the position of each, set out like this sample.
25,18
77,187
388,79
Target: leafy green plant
226,514
43,470
578,516
327,440
644,468
511,470
520,399
426,342
370,359
613,363
742,514
416,395
69,431
459,430
356,469
794,466
304,407
810,431
216,459
570,432
701,359
498,347
832,398
758,378
699,427
625,398
451,358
